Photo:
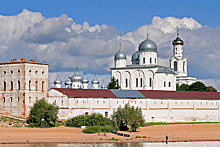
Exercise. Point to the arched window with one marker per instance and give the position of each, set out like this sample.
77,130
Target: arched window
143,60
19,86
184,63
175,66
42,85
150,60
169,84
29,85
36,85
164,84
11,85
126,82
150,82
117,82
4,85
3,99
10,99
141,82
155,61
136,82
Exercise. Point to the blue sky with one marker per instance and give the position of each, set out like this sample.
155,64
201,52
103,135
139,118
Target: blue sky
126,15
87,33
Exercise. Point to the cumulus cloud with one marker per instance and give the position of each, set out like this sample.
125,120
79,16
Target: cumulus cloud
50,30
170,24
63,43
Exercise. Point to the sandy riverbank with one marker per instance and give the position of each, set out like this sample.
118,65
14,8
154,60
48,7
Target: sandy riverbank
183,132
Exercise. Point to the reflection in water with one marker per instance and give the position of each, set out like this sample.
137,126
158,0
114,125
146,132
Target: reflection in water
170,144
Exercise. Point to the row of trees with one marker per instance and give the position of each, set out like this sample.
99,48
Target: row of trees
197,86
43,114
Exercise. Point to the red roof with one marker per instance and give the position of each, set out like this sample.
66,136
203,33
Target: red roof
106,93
180,94
97,93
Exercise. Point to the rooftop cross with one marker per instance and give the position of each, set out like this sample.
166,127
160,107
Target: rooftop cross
147,31
177,32
76,69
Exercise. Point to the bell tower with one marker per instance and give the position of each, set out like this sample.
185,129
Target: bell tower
178,62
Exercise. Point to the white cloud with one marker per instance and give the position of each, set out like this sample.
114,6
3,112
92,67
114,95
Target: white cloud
64,44
170,24
50,30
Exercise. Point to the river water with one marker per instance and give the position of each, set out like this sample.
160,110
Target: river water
170,144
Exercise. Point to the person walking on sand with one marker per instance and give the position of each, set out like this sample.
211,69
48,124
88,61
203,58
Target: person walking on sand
166,138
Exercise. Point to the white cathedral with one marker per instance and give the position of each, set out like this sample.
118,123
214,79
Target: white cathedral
145,74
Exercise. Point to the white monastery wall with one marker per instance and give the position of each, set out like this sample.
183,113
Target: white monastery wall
154,110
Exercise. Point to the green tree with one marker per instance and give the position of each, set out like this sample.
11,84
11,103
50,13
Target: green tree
43,110
135,118
197,86
183,87
128,116
113,84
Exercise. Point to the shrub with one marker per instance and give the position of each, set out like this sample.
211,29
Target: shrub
144,136
92,129
89,120
107,129
138,137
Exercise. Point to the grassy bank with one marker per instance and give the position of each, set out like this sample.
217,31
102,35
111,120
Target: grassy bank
172,123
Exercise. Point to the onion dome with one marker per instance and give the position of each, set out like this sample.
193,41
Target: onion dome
68,81
95,81
120,54
76,77
57,81
177,41
85,80
135,56
147,46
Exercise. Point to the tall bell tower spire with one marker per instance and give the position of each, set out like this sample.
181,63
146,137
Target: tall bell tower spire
178,62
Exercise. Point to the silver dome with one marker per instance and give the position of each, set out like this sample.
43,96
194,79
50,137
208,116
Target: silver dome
76,77
95,81
85,80
147,46
68,81
120,55
135,56
57,81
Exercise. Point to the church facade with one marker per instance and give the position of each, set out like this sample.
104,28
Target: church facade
145,74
